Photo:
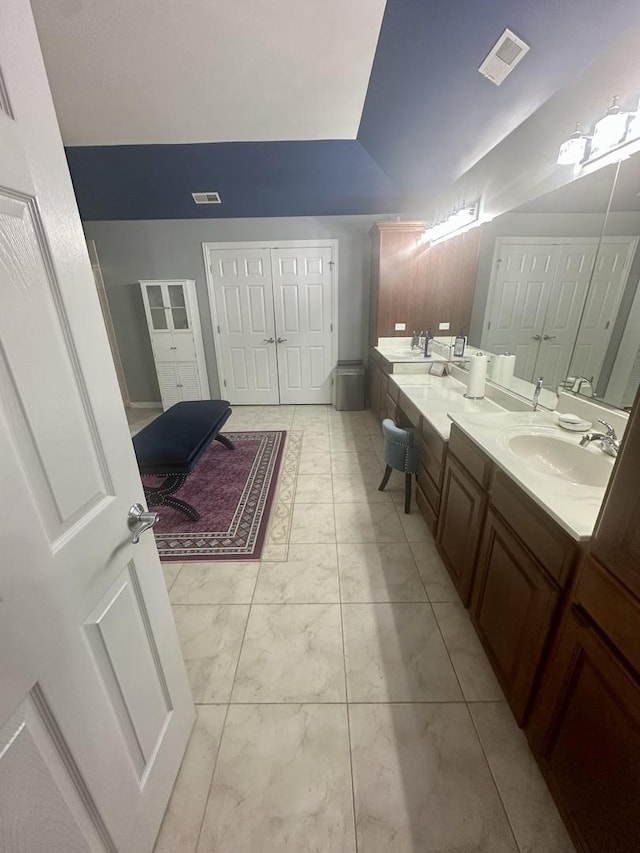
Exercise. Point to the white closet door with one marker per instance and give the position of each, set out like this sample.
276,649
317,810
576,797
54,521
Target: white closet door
564,311
188,381
243,295
302,286
601,308
168,382
522,287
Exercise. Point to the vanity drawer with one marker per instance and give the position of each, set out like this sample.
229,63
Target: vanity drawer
433,467
432,440
426,509
391,408
472,458
554,549
431,489
393,391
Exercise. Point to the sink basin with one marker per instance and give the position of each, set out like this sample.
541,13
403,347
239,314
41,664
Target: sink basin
561,458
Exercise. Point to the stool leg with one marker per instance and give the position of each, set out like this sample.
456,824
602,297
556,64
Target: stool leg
407,493
385,478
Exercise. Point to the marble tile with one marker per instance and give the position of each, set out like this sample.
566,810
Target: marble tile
359,487
341,442
360,522
272,551
210,637
279,524
282,782
171,572
534,818
379,572
414,525
316,442
314,488
394,653
310,575
312,523
183,818
353,462
216,583
291,653
434,575
314,462
421,782
478,682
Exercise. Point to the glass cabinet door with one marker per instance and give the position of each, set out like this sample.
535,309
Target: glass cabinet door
156,307
178,307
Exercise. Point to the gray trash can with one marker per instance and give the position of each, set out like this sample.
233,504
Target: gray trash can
349,386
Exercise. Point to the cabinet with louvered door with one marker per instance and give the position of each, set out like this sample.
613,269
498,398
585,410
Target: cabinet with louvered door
171,309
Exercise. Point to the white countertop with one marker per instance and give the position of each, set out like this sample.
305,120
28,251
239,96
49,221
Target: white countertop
441,400
574,506
398,351
437,396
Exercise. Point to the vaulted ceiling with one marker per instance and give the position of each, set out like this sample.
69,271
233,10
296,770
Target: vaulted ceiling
297,107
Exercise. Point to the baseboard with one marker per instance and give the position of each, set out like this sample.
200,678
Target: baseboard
157,405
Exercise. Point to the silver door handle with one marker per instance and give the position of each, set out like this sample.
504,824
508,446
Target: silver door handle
548,337
268,340
281,341
138,521
536,338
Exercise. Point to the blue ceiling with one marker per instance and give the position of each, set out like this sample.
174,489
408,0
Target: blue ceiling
428,117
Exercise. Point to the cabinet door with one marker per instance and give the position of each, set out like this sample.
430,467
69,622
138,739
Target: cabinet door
188,381
585,729
512,610
168,382
461,514
176,300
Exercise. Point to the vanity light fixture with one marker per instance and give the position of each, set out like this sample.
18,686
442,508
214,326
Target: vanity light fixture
573,150
610,131
457,222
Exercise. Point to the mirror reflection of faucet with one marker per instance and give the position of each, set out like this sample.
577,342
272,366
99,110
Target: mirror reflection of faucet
609,441
577,385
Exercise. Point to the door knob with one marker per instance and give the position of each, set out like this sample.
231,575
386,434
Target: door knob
536,338
281,340
138,521
548,337
268,340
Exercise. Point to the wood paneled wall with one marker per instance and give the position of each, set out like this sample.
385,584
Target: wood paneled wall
418,285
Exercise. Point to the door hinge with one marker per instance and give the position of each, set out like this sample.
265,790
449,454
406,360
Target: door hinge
330,265
331,327
218,328
489,324
224,382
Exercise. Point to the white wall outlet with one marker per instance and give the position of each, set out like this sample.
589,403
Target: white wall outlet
444,326
400,327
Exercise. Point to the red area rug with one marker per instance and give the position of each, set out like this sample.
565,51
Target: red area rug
233,491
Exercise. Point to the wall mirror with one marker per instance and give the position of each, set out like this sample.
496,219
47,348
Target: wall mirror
556,280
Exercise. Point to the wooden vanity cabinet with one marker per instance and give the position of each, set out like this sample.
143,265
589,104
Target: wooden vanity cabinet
462,509
430,474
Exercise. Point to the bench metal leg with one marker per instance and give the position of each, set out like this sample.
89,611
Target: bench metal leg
162,495
226,441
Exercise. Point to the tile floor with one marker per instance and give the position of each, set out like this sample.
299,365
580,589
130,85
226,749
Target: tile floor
344,702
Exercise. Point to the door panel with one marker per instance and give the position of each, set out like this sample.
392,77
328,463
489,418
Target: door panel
243,297
67,461
189,381
303,298
523,280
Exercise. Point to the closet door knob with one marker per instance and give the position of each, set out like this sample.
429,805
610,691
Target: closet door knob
281,341
549,337
536,338
268,340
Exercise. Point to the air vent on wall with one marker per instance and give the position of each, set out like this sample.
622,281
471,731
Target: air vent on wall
503,57
207,198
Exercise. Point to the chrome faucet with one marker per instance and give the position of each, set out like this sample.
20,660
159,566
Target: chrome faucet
609,442
536,393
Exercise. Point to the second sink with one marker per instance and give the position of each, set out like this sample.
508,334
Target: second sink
560,458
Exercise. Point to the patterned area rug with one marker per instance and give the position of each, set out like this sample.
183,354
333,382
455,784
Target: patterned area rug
233,491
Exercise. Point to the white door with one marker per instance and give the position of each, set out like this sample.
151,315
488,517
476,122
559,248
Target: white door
243,296
95,708
523,278
601,309
564,310
272,310
302,281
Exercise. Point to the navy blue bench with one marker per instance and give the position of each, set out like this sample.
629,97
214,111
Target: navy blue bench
172,444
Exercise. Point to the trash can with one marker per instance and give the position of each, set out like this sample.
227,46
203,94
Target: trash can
349,386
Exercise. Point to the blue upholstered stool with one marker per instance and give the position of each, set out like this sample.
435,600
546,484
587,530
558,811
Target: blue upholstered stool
400,454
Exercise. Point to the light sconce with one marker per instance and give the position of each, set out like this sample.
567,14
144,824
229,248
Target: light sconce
573,150
457,222
612,132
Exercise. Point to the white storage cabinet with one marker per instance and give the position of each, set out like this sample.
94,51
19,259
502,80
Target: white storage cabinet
172,314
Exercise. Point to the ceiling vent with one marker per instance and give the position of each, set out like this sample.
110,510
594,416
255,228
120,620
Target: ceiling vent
207,198
503,57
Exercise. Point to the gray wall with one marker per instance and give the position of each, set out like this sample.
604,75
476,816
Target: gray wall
156,249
